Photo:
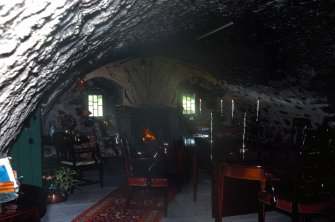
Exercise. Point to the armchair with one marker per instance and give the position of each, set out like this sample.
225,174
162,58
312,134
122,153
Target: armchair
79,158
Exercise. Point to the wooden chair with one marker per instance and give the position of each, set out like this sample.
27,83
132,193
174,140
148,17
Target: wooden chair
79,158
298,129
309,186
106,142
143,171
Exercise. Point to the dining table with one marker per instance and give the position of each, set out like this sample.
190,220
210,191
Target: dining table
235,158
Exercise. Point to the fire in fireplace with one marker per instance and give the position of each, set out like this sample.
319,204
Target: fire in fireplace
148,136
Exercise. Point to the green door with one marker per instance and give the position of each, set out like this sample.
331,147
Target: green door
26,151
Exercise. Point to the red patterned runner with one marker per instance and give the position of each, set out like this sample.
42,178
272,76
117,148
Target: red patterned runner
145,207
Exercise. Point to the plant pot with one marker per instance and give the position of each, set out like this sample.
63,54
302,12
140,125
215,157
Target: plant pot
55,198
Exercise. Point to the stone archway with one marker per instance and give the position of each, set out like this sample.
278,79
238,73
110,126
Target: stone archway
151,80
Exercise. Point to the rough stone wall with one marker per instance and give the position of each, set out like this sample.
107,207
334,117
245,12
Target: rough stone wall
70,104
275,112
66,105
46,45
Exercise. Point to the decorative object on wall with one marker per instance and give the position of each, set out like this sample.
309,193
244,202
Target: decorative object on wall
243,150
257,110
80,84
67,123
52,129
232,109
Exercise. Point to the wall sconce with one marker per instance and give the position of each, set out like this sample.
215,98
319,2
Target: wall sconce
80,83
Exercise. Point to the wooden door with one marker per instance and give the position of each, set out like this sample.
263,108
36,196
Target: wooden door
26,151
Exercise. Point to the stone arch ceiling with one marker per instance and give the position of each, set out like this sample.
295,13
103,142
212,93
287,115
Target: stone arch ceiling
152,80
45,45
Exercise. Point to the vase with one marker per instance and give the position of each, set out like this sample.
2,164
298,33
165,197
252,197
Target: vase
55,198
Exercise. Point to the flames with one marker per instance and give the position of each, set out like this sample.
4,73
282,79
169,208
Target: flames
148,136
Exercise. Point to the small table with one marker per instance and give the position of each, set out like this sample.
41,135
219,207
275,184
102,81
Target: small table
229,160
237,171
29,206
245,164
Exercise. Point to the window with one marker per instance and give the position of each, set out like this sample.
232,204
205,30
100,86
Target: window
95,105
188,104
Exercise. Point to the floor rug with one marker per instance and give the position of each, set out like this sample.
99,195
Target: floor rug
144,207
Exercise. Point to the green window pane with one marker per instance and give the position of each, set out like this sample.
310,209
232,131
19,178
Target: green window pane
100,101
100,112
188,102
95,105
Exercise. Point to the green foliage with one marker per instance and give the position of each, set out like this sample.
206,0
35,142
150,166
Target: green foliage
64,178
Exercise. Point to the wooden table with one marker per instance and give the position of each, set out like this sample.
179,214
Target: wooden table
237,171
29,206
227,160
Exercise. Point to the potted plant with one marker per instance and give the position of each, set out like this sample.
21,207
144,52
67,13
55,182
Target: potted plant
65,179
60,184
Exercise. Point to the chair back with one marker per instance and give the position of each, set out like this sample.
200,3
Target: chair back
64,144
141,164
328,160
204,152
317,165
126,153
309,186
298,131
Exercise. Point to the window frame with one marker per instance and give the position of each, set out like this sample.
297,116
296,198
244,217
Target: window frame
190,109
96,93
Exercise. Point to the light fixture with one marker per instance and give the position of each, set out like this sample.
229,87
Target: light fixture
215,30
80,83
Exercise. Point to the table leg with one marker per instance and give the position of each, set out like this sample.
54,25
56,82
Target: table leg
220,194
262,184
261,213
194,176
214,190
180,166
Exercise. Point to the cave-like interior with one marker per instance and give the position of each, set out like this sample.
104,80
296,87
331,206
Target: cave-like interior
281,51
274,59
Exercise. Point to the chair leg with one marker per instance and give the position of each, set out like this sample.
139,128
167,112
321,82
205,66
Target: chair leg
165,201
302,218
179,167
129,191
101,174
261,212
296,217
194,177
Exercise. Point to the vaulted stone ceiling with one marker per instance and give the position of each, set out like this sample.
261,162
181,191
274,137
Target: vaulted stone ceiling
45,45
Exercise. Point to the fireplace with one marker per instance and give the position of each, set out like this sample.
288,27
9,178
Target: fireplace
148,136
149,125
